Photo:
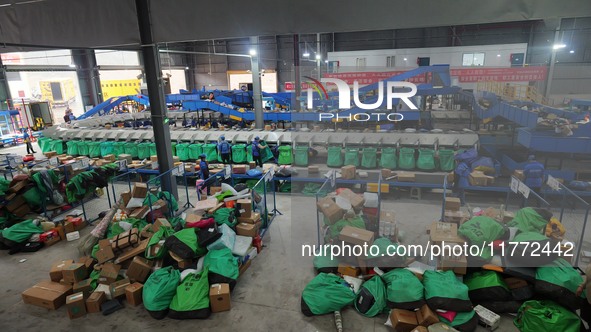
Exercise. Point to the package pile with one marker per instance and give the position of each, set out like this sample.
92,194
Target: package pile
451,292
181,267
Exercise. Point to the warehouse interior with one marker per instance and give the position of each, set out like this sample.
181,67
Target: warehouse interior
390,166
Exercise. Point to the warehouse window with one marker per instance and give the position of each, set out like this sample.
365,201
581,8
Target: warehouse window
360,63
473,59
391,61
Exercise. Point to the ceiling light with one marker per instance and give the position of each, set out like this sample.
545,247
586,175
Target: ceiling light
252,52
318,57
404,59
72,65
306,54
571,51
325,61
558,46
187,68
498,55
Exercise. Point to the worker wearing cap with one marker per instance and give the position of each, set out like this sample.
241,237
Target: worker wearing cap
533,173
204,167
256,151
224,149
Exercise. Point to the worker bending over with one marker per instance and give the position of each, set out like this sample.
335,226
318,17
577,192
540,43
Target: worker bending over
256,151
224,149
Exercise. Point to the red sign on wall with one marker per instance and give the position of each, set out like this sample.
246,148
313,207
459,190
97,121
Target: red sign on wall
464,75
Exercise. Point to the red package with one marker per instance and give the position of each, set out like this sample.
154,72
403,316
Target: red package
203,223
449,315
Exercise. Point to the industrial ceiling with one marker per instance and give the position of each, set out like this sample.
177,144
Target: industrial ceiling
113,23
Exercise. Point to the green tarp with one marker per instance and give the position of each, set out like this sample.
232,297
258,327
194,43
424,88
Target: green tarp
225,216
160,289
143,150
182,151
426,160
22,231
44,144
72,148
83,148
57,146
446,160
335,156
211,152
285,155
528,220
325,294
369,158
191,300
388,158
195,150
106,148
118,148
407,158
404,290
131,149
152,149
352,157
94,149
546,316
239,153
301,156
371,300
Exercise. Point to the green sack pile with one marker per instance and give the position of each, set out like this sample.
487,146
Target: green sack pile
546,316
159,290
371,300
404,290
191,300
325,294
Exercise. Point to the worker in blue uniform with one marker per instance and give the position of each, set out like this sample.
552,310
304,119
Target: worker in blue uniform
256,151
461,181
204,167
224,149
27,140
533,174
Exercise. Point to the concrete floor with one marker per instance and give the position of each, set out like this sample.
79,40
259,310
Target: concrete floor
266,298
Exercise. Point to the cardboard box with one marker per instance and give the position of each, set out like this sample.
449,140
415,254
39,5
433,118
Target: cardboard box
254,218
83,287
331,211
126,239
127,157
458,264
105,252
193,218
139,269
132,252
354,235
244,206
181,262
147,231
348,172
387,216
244,267
118,288
74,224
246,229
456,217
405,176
161,222
160,204
140,213
444,231
110,158
348,270
47,294
518,173
88,262
20,185
452,203
514,283
239,169
356,201
109,273
219,297
487,318
478,178
55,273
16,203
403,320
133,293
372,187
22,211
426,316
153,159
76,305
420,329
140,190
126,196
313,169
50,154
94,301
386,173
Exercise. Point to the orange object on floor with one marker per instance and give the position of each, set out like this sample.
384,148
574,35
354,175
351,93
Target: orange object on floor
230,204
